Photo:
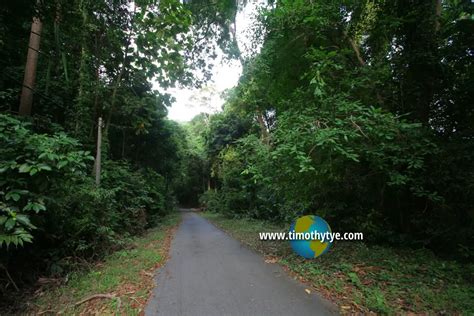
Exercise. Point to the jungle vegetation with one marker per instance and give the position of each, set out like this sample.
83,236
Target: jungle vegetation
359,111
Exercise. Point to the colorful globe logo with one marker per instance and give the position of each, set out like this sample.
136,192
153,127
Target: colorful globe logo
306,247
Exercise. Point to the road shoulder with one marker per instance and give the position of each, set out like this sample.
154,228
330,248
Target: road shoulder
362,278
120,284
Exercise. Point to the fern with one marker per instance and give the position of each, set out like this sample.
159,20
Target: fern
18,237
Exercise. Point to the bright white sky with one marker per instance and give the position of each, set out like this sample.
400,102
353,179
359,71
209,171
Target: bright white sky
225,76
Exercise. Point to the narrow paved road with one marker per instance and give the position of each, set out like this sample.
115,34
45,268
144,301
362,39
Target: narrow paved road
210,273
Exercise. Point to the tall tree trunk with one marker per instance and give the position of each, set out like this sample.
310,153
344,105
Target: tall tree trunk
356,49
98,156
120,75
26,100
263,128
438,8
114,97
80,104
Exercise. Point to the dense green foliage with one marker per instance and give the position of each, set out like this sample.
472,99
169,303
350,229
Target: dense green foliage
50,200
97,59
360,112
194,176
28,162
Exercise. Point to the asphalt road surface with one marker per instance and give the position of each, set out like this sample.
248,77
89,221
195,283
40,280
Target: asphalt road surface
210,273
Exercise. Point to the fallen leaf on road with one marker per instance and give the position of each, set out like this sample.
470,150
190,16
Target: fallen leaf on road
308,291
271,260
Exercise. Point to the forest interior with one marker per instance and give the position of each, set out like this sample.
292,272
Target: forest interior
358,111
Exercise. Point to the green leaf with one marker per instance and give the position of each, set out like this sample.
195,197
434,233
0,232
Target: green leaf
34,206
10,223
43,166
62,163
12,195
25,220
24,168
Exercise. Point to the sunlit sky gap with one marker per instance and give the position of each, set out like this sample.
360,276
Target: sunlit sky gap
225,75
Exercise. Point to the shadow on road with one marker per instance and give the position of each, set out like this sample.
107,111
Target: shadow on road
190,209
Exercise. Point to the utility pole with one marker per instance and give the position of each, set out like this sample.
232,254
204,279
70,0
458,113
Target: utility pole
99,152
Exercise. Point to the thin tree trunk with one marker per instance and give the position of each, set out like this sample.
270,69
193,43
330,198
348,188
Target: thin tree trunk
98,156
119,78
114,99
360,59
123,143
29,79
80,104
263,128
95,112
356,49
438,8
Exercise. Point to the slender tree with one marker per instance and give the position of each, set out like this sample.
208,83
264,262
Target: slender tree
26,100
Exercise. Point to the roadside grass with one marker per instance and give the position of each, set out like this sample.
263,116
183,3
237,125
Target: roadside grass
363,278
124,279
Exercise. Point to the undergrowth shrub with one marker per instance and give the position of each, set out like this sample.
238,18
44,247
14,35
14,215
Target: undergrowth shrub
362,168
31,166
53,216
